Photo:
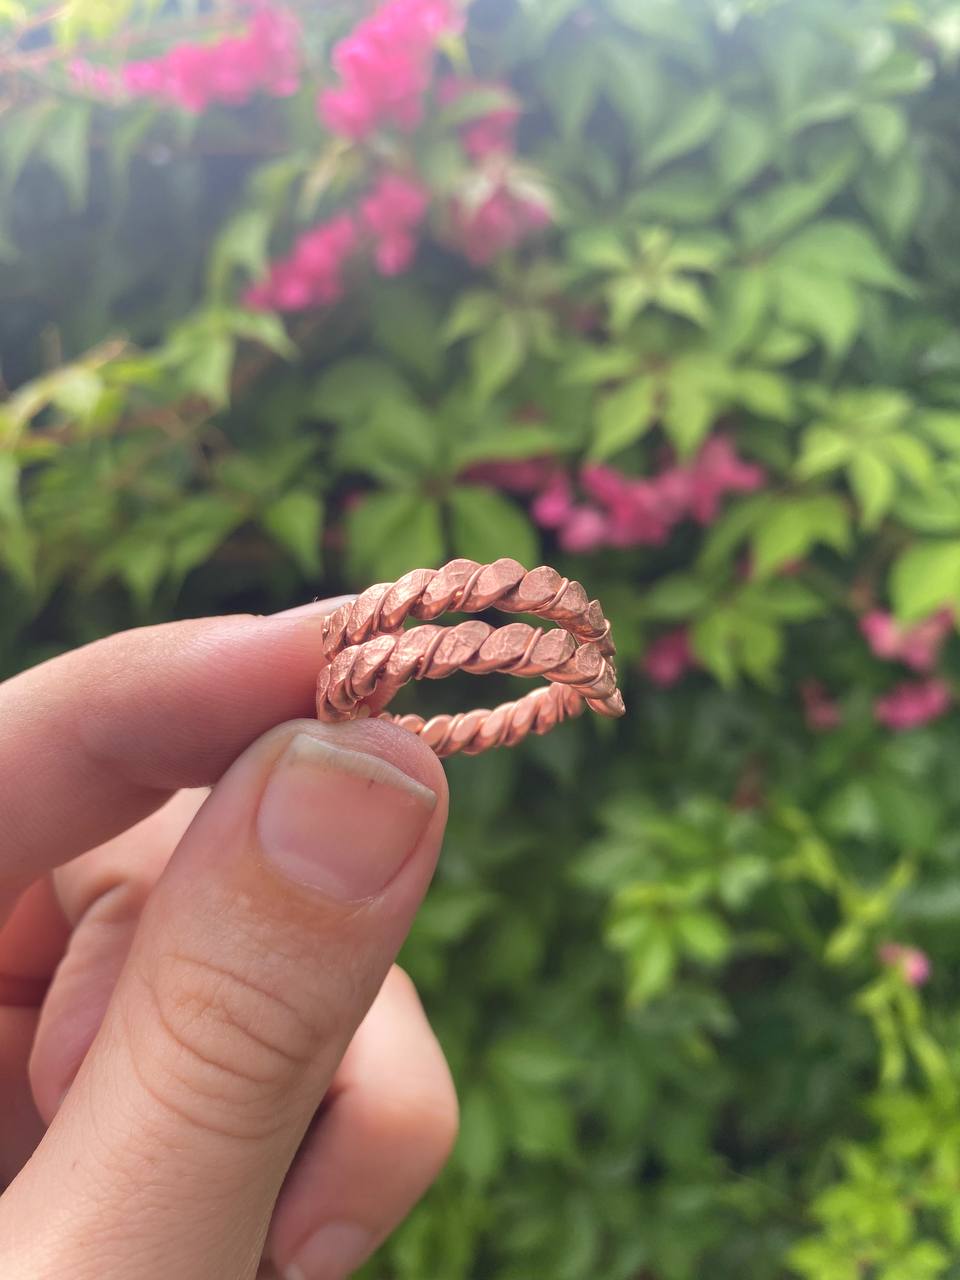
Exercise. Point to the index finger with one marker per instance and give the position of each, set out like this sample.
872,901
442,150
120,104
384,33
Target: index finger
93,741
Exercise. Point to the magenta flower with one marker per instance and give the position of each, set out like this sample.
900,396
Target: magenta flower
669,658
489,135
385,67
265,59
391,213
917,647
312,274
912,963
913,703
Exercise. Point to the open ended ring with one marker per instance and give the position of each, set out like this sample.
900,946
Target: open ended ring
370,656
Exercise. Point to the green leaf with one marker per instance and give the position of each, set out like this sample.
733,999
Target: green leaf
600,248
589,365
487,526
924,578
350,389
675,598
627,297
874,486
892,193
741,303
570,83
481,1146
20,138
206,371
390,533
296,522
834,246
742,146
197,528
794,525
623,416
766,394
704,936
685,130
824,449
766,218
823,305
241,245
884,128
497,354
684,298
406,325
262,327
651,967
472,312
530,1058
65,148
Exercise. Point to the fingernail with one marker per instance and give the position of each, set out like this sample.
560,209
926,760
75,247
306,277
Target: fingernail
332,1253
316,608
339,820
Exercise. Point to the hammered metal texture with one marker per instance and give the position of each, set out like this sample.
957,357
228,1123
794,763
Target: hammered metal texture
370,657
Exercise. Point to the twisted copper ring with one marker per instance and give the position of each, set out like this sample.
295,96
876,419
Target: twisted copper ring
370,657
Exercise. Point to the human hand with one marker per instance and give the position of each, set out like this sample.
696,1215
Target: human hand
209,1067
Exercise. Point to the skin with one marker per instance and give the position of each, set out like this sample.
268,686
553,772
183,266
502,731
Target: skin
205,1059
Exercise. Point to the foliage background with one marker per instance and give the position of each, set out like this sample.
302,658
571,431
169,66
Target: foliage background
677,1051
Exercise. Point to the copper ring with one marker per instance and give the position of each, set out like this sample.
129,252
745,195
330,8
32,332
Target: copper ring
370,656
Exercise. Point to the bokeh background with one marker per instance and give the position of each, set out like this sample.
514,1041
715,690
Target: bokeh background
295,297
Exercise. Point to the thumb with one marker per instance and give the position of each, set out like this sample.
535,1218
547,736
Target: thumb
258,954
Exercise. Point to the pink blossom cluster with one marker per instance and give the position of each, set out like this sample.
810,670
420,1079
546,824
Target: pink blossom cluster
913,964
491,134
626,511
263,59
312,273
917,647
669,658
821,712
913,703
485,229
385,67
498,213
391,213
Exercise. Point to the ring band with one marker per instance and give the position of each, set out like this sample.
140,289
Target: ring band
370,656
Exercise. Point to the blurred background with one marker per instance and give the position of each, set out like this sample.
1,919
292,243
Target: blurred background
295,297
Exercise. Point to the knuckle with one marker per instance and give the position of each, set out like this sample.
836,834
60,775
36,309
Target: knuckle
229,1046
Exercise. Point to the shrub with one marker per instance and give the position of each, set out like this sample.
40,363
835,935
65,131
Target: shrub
661,291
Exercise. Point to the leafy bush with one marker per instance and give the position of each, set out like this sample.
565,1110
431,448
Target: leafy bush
661,291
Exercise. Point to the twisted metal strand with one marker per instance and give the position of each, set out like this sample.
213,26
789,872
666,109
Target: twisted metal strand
463,586
372,672
471,732
370,657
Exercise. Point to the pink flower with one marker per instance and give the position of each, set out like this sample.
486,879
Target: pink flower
917,647
264,59
498,223
913,964
584,529
913,703
669,658
391,212
717,471
821,712
312,273
99,82
385,66
554,506
492,134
